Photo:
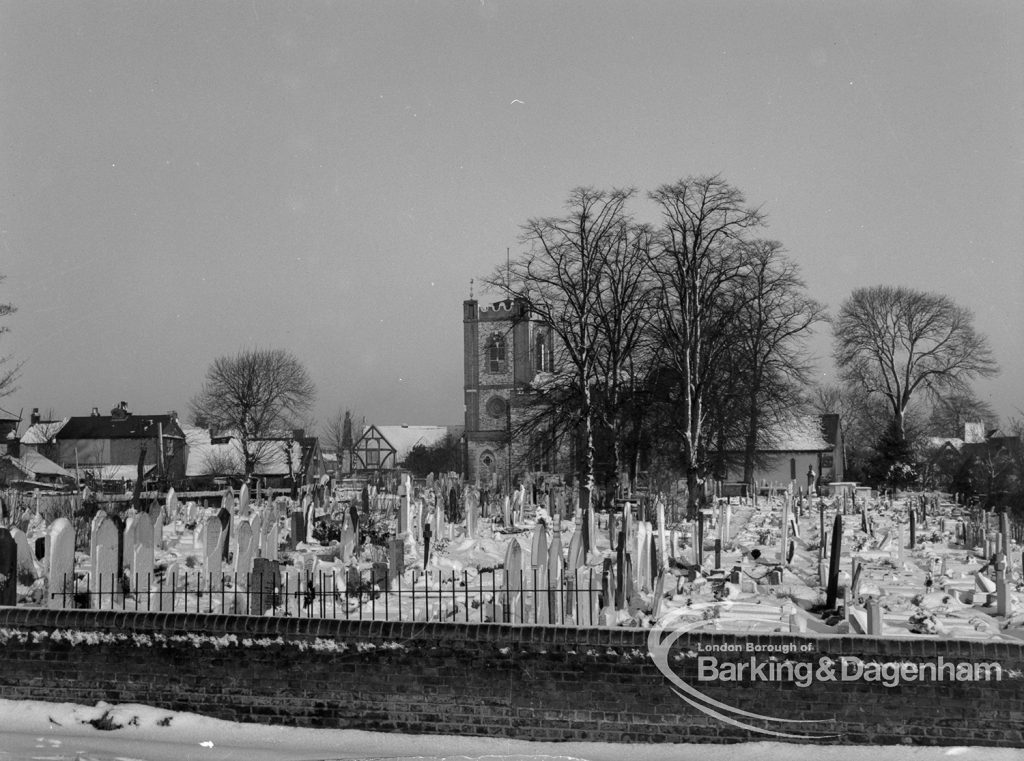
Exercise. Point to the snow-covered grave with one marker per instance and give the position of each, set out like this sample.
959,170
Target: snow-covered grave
905,566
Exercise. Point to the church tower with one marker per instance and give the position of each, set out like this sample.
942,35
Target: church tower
503,351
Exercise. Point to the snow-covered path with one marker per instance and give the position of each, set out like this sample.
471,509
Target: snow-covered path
36,731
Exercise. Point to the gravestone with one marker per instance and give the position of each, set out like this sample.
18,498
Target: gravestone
156,518
62,564
104,579
271,534
379,576
243,501
576,559
471,515
513,582
246,551
298,529
396,558
554,577
266,578
404,505
309,510
427,533
8,568
224,516
26,556
213,552
349,538
440,523
129,538
353,579
539,547
258,536
140,555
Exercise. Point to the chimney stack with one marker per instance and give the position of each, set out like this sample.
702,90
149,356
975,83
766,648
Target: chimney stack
34,417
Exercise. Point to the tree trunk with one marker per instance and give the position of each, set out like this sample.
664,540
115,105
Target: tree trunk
750,444
586,463
693,486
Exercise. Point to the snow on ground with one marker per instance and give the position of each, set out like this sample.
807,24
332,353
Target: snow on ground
37,731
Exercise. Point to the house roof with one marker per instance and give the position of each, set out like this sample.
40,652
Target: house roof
805,433
39,465
226,457
403,438
939,442
129,427
993,445
42,432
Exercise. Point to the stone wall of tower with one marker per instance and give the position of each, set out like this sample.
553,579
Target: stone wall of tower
493,397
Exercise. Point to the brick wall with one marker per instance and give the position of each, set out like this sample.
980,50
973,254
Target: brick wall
541,683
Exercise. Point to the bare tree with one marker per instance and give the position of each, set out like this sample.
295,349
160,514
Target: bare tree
256,395
560,279
774,317
9,371
698,263
895,342
624,349
951,411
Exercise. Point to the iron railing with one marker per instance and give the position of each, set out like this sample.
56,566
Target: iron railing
433,596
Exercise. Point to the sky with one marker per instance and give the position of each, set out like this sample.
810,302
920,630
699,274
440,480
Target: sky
179,181
61,732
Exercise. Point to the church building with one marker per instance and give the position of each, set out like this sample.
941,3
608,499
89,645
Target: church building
504,350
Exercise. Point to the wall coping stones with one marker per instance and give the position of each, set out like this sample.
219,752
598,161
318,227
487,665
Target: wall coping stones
530,636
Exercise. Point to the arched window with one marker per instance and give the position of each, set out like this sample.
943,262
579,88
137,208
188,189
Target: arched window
542,353
494,354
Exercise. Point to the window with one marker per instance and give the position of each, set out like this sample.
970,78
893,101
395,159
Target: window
496,407
494,354
541,353
792,469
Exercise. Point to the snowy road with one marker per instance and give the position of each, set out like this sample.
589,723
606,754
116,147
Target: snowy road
36,731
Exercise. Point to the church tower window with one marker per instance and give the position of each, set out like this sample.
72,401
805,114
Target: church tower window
494,354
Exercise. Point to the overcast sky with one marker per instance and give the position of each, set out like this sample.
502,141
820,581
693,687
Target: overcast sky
181,180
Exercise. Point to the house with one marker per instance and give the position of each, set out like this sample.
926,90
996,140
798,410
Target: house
282,461
41,435
24,467
793,449
386,447
110,446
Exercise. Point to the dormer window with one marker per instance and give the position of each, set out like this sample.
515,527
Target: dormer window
494,354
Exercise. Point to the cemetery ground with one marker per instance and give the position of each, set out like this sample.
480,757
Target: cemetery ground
912,565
